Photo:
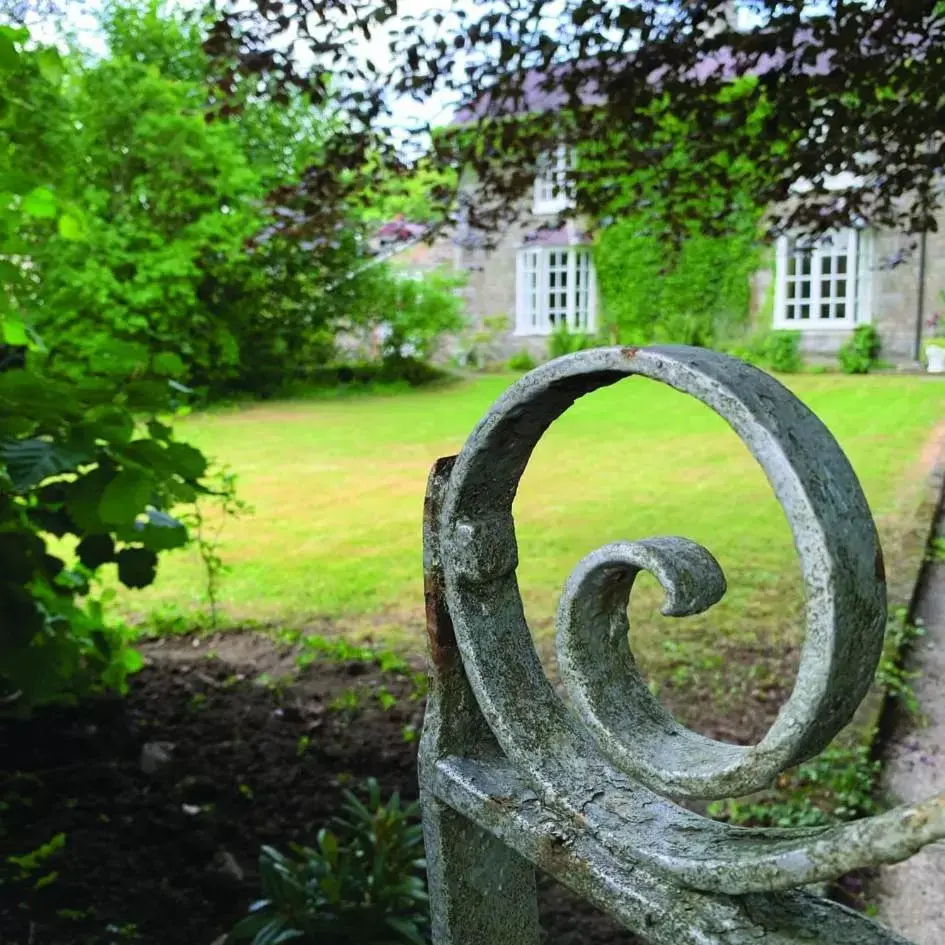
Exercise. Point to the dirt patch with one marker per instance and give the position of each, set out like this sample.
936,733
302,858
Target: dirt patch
251,764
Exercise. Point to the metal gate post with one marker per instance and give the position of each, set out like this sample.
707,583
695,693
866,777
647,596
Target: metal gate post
512,778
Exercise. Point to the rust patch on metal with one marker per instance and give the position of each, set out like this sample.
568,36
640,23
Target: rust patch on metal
440,633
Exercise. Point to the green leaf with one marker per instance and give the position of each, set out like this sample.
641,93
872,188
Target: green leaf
160,431
162,532
113,424
70,228
22,617
14,331
136,566
29,462
187,461
131,660
50,65
55,521
20,555
9,57
125,496
40,203
147,453
96,550
147,395
83,499
121,357
167,364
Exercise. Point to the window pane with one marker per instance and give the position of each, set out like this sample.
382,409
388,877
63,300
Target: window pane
825,310
805,311
805,265
841,264
805,289
841,310
791,265
825,265
841,288
789,312
825,288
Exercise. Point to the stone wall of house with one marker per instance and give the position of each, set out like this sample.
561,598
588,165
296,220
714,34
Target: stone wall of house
895,294
491,291
896,290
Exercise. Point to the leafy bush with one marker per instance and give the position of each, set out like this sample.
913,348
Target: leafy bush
782,351
86,458
362,883
564,342
367,375
86,462
521,361
858,354
774,351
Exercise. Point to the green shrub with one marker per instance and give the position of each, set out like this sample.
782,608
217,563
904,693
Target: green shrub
87,458
86,453
564,342
366,374
362,884
858,354
749,349
775,351
414,314
521,361
782,352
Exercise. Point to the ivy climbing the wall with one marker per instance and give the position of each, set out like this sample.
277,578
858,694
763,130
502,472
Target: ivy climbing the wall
696,293
662,278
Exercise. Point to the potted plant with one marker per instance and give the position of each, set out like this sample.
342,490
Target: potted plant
935,344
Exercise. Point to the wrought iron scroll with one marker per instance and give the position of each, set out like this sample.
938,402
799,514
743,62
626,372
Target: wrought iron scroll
512,778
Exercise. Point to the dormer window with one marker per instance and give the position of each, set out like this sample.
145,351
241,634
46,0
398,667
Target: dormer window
553,189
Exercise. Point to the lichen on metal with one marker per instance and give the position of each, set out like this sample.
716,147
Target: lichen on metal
513,778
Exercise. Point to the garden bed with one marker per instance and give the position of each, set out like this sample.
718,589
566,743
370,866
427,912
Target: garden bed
170,856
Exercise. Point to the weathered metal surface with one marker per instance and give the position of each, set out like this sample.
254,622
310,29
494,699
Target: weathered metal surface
585,795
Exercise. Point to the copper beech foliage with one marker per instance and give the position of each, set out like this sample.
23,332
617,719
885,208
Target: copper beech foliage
686,109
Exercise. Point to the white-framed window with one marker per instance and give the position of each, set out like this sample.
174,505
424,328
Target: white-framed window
822,285
552,187
555,286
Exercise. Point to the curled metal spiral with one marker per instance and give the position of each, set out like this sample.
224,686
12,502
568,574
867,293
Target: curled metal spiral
615,767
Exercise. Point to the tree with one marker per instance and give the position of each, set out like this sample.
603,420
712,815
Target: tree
190,238
852,89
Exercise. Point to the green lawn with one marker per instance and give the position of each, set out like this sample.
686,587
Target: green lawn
337,487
